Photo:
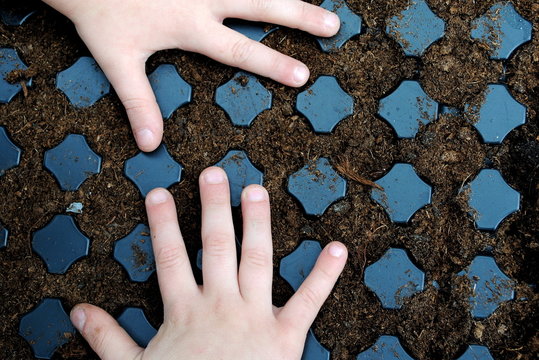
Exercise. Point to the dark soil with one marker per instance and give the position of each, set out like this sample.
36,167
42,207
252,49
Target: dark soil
441,238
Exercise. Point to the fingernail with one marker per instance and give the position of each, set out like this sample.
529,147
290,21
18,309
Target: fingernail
157,197
78,318
336,250
331,21
301,74
214,176
256,194
144,138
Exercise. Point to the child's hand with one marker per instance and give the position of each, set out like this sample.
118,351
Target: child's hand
231,316
122,34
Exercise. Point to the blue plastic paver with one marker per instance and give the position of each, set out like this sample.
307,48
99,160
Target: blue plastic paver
4,233
350,25
10,61
152,170
489,286
404,193
134,252
325,104
199,259
393,278
60,243
313,350
240,172
170,89
15,13
46,328
407,108
72,162
243,98
476,352
256,31
498,114
296,266
317,186
491,200
10,154
136,324
416,28
502,29
386,348
83,83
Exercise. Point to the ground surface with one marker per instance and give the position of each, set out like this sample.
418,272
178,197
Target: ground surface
441,237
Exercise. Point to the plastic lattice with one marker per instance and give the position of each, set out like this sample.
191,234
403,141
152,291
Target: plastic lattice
296,266
72,162
4,233
170,89
393,278
256,31
313,350
476,352
83,82
243,98
407,108
46,328
135,323
325,104
134,252
490,287
317,186
386,348
10,154
240,172
403,194
350,25
152,170
9,62
15,13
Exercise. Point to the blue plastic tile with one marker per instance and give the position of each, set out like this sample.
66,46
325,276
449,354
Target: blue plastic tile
134,252
313,350
243,98
317,186
60,243
415,28
476,352
325,104
83,83
9,61
10,154
491,200
296,266
404,193
240,172
152,170
199,259
3,236
72,162
408,107
46,328
498,114
393,278
350,25
256,31
386,348
502,29
134,322
15,14
489,286
170,89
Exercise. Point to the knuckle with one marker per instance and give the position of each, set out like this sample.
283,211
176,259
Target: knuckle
262,5
241,51
135,105
257,258
309,297
169,257
97,337
218,244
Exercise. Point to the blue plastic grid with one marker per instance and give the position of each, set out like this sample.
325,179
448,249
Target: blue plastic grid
134,252
10,61
10,154
350,25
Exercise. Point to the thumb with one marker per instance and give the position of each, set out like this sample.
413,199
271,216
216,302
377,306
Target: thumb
128,77
108,339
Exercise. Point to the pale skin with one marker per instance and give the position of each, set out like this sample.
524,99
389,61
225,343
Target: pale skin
122,34
231,316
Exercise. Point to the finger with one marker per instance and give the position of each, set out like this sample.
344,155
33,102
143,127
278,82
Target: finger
106,337
174,273
128,77
295,14
256,266
302,308
232,48
219,263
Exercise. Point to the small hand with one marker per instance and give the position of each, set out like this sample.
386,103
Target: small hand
231,316
122,34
